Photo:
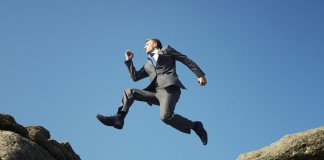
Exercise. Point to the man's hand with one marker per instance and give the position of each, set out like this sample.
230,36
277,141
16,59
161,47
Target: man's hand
129,55
202,81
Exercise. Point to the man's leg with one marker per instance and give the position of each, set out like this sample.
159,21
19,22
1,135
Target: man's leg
130,95
168,98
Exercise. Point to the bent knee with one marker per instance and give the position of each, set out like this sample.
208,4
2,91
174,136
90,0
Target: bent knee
166,119
128,91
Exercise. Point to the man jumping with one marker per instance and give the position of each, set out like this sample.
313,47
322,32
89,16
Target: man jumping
164,88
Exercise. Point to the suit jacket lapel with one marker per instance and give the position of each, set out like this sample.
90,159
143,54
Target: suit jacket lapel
160,53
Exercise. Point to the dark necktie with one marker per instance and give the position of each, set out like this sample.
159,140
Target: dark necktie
151,58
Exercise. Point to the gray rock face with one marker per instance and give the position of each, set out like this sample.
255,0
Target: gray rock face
307,145
15,147
30,143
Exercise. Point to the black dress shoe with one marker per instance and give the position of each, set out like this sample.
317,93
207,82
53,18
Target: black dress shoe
108,121
201,132
115,121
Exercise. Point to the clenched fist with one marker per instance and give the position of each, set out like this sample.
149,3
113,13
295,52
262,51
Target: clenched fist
129,55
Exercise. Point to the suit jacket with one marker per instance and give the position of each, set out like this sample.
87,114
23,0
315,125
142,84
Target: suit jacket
164,74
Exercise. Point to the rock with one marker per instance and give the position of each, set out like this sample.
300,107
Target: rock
17,128
6,118
30,143
40,136
8,123
307,145
15,147
68,154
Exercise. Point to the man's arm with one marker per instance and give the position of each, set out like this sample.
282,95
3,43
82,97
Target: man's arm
189,63
135,75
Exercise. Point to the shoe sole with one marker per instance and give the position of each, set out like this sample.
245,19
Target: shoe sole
118,127
103,120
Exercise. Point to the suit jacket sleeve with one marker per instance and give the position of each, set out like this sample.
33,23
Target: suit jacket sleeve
135,75
186,61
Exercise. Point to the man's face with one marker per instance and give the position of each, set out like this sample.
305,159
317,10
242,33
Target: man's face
150,46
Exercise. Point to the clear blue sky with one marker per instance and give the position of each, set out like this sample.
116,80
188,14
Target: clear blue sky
61,63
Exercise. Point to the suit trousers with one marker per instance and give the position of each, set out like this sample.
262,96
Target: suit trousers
166,98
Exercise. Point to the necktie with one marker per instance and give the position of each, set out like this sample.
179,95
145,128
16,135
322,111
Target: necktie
150,57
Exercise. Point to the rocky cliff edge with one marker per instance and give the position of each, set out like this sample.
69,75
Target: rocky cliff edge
30,143
307,145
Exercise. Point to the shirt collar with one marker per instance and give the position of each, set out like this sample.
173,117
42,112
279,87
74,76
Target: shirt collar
155,54
155,51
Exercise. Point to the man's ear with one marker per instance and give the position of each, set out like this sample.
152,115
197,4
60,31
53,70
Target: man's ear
154,44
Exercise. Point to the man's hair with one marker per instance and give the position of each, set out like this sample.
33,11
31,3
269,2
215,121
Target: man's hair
157,41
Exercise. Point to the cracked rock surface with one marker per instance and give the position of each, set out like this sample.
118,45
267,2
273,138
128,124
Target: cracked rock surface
30,143
307,145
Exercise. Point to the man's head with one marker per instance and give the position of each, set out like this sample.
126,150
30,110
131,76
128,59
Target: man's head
152,44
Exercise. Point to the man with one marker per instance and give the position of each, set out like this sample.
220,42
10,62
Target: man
163,90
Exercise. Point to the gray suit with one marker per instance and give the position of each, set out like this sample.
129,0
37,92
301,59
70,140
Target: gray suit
164,88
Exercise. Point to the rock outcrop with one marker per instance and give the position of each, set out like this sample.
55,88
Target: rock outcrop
307,145
30,143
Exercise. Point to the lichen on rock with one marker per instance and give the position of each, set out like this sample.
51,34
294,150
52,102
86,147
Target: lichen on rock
30,143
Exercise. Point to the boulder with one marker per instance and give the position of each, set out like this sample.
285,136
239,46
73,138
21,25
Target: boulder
307,145
30,143
15,147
